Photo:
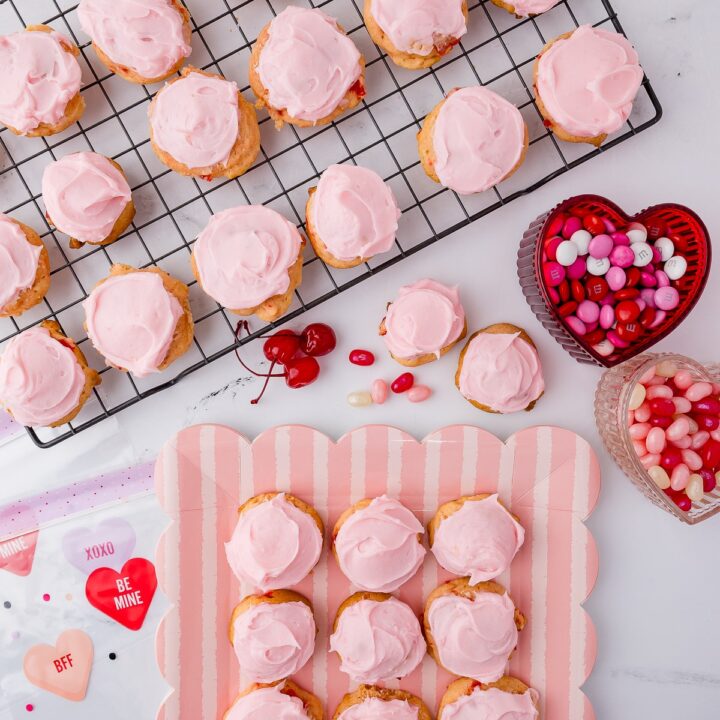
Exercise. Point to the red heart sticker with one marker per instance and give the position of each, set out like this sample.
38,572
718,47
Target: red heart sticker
124,596
18,553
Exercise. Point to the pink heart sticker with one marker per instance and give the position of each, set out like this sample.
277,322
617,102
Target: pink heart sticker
64,668
18,553
109,544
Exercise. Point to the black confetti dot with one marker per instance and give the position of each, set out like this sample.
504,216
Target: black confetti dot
112,656
7,604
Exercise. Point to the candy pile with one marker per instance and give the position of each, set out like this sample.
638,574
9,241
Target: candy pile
674,422
611,286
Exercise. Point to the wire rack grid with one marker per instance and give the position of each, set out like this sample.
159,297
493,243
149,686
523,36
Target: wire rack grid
498,51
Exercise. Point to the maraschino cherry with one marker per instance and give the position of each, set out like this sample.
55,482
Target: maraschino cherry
317,339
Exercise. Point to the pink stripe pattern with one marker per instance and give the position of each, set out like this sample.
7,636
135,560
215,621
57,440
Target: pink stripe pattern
549,477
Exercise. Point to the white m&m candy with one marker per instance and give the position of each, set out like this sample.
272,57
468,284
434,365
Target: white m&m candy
637,233
643,254
582,239
666,248
675,267
566,253
598,266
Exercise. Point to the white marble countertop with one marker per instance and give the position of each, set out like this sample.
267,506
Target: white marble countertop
655,606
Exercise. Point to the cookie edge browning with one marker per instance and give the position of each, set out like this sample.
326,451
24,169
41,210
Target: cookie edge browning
364,692
466,686
312,704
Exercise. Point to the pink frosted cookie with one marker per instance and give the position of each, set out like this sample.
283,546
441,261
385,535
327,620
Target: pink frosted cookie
377,638
249,260
352,215
40,82
425,321
276,543
378,544
586,82
305,70
143,41
87,197
506,699
44,377
370,702
526,8
472,140
416,33
282,701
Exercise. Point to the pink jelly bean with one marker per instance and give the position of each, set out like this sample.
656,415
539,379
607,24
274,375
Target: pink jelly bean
659,391
699,439
572,225
643,413
418,393
607,317
588,311
616,278
379,391
655,440
692,459
600,246
682,405
576,325
650,460
714,434
616,340
679,429
647,376
698,391
659,319
620,238
656,380
640,448
577,269
630,417
661,278
694,427
666,298
683,443
622,256
679,477
716,388
639,431
648,295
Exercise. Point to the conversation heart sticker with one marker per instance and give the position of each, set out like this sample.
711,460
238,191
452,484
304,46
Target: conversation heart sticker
64,668
124,596
109,544
18,553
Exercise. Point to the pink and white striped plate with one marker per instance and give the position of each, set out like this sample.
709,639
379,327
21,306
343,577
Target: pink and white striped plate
549,477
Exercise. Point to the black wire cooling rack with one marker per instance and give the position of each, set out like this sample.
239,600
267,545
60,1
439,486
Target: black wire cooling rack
498,52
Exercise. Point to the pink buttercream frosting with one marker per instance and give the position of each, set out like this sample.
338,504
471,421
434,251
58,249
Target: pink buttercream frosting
274,545
478,139
589,80
131,320
39,78
377,709
418,26
378,641
274,640
84,194
479,540
244,254
195,120
143,35
501,371
377,546
493,704
19,261
474,638
267,703
424,318
525,8
41,380
307,64
354,212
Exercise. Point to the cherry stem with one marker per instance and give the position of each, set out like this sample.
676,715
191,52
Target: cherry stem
244,323
265,384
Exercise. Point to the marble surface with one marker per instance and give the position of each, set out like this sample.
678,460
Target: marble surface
655,605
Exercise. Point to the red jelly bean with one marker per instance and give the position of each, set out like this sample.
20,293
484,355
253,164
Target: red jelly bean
683,502
647,317
567,308
578,290
707,406
594,224
627,294
627,311
709,480
361,357
594,337
564,290
661,421
710,454
670,458
707,422
662,406
596,289
403,382
554,274
629,332
632,277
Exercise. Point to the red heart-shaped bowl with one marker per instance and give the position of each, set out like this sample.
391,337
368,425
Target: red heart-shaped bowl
612,405
685,228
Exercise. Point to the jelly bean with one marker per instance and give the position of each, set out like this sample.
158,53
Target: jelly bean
607,317
600,246
640,448
598,266
581,239
661,278
699,439
716,388
649,460
564,290
692,459
593,224
620,238
577,269
666,248
616,340
379,391
361,357
656,391
682,405
576,325
675,267
593,337
707,422
715,434
551,247
616,278
647,280
656,380
359,399
637,398
567,308
679,429
622,256
710,480
694,488
659,477
596,289
647,317
403,382
671,458
648,375
643,413
710,455
648,295
554,295
588,311
666,369
643,254
577,290
627,311
571,226
655,441
679,476
566,253
604,348
636,233
419,393
683,443
662,407
707,406
554,273
682,501
629,332
556,224
639,431
660,316
697,391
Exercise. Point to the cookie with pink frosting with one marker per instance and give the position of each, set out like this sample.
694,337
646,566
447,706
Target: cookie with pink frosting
305,69
475,536
276,542
40,82
416,33
499,370
143,41
378,544
249,260
352,215
472,140
44,377
24,267
369,702
139,320
377,637
508,697
273,635
526,8
202,126
586,82
284,700
425,321
472,630
87,197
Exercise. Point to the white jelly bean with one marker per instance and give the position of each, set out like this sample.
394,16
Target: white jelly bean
675,267
666,368
643,254
582,239
360,399
567,252
659,476
598,266
666,248
637,397
694,488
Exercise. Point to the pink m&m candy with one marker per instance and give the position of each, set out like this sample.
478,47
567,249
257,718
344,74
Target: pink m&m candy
576,325
554,273
622,256
607,317
666,298
577,269
571,226
620,238
616,278
588,311
600,246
